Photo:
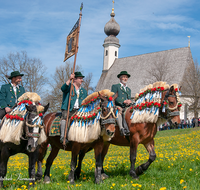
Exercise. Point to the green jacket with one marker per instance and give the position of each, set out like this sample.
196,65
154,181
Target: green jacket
66,89
122,94
7,95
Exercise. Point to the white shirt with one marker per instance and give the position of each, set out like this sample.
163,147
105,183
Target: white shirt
76,105
124,86
15,91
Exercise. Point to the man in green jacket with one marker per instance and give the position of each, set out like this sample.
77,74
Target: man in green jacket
78,95
123,100
9,93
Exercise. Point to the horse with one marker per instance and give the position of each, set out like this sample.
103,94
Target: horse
31,133
142,133
107,131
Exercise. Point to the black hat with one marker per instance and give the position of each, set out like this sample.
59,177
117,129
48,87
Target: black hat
123,73
78,74
15,74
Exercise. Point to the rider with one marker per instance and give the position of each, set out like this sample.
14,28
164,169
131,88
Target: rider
122,101
9,93
78,95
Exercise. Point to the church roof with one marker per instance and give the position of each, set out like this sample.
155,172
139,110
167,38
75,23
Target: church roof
138,67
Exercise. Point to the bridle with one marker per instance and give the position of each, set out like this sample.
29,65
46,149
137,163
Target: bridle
170,111
37,123
106,120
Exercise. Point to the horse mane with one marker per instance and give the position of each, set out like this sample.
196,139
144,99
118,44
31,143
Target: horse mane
105,93
148,101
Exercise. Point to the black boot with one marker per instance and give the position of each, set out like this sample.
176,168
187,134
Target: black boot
125,126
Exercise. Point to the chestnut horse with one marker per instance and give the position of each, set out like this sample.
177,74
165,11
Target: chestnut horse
141,133
107,125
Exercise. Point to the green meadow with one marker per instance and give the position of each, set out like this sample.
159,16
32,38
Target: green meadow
177,166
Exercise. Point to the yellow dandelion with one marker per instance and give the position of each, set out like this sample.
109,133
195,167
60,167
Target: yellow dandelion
163,188
113,184
190,169
184,187
181,181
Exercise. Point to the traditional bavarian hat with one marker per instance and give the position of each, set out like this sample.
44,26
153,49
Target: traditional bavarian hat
78,74
15,74
123,73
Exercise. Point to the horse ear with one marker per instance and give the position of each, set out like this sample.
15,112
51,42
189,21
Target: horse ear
115,96
171,89
29,108
102,97
180,88
46,108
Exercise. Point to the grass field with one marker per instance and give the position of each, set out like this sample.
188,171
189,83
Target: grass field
177,166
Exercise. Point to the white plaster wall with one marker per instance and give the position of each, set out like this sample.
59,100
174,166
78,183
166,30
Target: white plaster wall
109,59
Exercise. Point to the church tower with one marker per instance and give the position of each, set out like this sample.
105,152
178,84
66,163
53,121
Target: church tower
111,43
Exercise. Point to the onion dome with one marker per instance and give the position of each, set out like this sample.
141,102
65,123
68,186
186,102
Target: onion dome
112,27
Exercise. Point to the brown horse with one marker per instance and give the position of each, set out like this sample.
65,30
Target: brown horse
141,133
107,125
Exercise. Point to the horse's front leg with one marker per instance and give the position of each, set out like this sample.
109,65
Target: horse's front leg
104,152
31,170
42,153
50,159
133,153
75,150
152,156
5,154
98,148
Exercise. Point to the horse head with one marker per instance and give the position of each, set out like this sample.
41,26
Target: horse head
108,116
33,125
170,100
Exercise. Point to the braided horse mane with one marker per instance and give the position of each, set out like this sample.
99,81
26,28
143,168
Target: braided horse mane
148,102
85,125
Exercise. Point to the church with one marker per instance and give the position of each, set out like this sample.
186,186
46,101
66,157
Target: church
144,69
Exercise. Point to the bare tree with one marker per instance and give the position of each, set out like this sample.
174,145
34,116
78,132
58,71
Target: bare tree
159,71
32,68
191,86
87,83
54,95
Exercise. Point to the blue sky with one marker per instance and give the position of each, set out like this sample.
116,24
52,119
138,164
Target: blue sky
41,27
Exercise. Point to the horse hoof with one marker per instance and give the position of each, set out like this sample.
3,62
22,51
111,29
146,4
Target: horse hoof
134,175
98,181
72,182
139,170
104,176
47,180
38,177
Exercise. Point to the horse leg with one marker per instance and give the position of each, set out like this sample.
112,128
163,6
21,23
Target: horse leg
75,150
133,152
31,170
78,169
104,152
50,159
5,154
42,153
152,156
98,148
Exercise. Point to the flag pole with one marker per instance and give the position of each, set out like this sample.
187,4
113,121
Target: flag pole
70,94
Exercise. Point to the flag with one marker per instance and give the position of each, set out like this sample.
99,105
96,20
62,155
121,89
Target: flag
71,41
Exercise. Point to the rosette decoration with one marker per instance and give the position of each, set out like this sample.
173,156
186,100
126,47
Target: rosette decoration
85,125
